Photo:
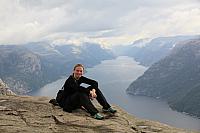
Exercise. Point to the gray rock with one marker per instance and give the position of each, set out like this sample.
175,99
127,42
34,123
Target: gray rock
26,114
4,90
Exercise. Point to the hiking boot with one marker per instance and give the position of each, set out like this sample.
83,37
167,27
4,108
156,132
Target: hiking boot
111,110
98,116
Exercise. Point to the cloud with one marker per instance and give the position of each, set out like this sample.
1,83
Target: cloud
105,21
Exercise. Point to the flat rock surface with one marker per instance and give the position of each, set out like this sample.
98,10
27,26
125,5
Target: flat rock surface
28,114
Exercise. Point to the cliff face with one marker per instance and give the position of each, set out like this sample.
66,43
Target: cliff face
174,78
19,68
4,90
27,114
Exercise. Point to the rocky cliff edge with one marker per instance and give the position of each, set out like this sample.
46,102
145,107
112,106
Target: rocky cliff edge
27,114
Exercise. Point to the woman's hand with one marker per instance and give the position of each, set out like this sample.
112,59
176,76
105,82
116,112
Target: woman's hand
93,94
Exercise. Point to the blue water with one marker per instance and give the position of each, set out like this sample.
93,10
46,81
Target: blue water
114,76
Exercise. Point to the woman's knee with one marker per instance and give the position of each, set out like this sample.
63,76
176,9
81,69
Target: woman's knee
84,96
98,91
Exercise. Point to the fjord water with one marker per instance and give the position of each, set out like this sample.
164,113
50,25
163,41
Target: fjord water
114,76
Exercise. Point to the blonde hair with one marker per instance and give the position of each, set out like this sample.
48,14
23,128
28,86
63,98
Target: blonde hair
78,65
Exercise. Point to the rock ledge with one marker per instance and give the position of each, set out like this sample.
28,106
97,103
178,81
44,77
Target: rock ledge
27,114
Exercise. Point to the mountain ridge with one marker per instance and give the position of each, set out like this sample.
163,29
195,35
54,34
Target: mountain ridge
149,51
174,79
30,66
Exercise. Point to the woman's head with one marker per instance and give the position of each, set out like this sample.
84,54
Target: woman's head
78,71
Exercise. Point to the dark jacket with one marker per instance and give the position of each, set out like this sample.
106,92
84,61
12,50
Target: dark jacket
72,85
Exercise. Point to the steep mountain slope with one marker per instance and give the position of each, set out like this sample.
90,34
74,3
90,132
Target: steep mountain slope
20,68
148,51
61,58
174,78
30,66
190,102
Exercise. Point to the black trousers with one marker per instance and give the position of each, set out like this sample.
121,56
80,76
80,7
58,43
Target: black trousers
79,99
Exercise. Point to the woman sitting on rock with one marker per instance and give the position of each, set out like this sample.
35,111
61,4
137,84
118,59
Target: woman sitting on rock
76,95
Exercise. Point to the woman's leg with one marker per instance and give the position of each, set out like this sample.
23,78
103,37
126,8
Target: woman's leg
101,99
79,99
87,104
71,102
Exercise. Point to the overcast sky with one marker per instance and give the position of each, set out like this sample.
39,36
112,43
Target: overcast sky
108,22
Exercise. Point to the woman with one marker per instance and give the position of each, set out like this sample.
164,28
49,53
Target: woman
76,95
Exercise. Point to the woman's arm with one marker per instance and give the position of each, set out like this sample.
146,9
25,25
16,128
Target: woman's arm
91,82
70,86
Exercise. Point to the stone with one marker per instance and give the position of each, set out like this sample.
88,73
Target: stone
27,114
4,90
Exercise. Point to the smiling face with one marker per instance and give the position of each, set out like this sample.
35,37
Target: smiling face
78,72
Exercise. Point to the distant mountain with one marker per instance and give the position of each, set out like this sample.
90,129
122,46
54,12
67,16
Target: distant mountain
92,54
174,78
30,66
86,53
20,68
148,51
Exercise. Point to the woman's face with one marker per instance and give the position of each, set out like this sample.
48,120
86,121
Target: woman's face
78,72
